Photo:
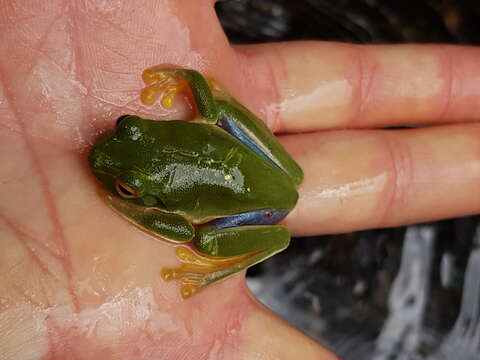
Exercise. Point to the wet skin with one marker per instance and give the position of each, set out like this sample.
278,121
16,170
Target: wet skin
80,282
218,183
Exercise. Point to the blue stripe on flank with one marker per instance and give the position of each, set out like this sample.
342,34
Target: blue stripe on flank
255,217
231,127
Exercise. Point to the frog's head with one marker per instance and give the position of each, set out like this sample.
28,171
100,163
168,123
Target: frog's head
120,163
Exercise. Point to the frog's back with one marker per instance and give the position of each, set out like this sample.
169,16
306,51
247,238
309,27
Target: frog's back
205,172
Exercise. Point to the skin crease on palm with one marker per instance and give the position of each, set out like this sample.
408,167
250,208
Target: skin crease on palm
79,282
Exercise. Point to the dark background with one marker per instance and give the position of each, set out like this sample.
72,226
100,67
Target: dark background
402,293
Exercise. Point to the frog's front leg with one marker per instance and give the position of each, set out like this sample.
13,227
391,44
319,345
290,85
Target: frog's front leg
172,227
170,81
229,248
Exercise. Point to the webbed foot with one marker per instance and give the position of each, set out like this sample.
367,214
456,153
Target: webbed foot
224,252
160,81
197,271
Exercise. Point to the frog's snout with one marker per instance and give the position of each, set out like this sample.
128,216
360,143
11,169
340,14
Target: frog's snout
96,158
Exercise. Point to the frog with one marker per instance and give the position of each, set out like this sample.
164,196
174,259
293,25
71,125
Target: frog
216,185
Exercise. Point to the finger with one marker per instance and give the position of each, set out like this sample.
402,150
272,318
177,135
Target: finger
377,178
315,85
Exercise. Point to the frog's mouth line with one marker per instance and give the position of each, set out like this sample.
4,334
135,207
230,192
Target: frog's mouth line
116,204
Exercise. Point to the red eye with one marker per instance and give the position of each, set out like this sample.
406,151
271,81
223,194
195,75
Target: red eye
124,190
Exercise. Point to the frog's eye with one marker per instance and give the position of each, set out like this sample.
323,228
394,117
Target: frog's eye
119,120
124,190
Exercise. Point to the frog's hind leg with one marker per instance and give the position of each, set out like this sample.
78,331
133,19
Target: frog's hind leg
240,122
227,246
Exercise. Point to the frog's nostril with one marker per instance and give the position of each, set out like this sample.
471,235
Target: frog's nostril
96,159
96,163
92,157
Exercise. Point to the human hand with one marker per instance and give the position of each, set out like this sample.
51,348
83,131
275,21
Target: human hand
80,282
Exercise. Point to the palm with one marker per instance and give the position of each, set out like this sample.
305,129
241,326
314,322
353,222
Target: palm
80,282
69,264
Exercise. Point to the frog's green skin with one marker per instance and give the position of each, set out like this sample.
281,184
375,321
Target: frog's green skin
195,181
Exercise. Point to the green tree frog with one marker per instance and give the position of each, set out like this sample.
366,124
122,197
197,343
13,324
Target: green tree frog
218,183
